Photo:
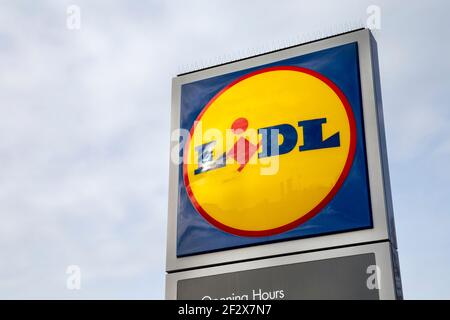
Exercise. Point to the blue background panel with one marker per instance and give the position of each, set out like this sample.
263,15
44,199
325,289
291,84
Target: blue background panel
349,209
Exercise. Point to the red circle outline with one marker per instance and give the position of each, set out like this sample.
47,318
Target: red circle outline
318,207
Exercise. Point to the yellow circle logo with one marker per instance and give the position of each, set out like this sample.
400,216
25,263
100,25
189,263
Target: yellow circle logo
269,151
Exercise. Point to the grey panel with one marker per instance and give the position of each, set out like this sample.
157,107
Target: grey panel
375,149
382,139
384,261
336,278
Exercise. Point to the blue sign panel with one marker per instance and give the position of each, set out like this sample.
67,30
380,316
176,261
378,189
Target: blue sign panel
312,103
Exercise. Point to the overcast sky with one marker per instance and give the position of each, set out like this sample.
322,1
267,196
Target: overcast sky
84,131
